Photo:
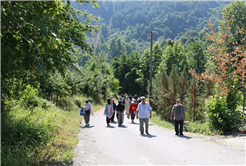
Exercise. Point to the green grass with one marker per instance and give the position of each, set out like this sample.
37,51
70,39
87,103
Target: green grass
38,135
213,140
199,137
193,127
156,119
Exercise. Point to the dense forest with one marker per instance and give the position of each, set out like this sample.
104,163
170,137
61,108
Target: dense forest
132,22
126,32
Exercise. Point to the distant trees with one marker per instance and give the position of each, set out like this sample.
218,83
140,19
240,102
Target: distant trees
126,71
197,59
173,53
133,21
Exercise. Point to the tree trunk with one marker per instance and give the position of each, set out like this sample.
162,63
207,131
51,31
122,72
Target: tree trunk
52,95
1,95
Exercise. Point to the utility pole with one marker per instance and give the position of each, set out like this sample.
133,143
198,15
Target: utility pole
150,73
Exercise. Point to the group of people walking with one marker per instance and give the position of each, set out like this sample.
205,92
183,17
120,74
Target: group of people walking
135,107
124,106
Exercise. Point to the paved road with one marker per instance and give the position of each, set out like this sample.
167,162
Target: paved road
101,145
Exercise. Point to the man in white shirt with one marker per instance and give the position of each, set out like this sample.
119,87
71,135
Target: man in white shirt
88,110
144,113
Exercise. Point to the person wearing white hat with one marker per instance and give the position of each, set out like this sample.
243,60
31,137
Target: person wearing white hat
144,113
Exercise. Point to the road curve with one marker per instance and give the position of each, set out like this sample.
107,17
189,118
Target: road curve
101,145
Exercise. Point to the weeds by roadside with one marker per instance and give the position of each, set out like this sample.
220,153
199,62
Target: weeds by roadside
193,127
36,132
156,119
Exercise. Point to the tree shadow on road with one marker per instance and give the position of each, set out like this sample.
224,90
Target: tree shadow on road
87,127
148,135
184,136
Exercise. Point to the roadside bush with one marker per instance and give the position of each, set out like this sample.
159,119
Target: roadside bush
197,127
26,132
79,100
224,116
67,104
29,99
37,133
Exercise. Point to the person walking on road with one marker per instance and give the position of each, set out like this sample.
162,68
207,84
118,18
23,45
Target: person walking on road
109,110
178,111
127,104
88,110
114,105
133,108
139,100
120,111
144,113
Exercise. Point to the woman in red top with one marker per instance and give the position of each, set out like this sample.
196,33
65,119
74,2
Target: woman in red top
133,108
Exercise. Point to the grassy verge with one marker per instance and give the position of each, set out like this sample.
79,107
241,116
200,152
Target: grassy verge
40,133
192,127
156,119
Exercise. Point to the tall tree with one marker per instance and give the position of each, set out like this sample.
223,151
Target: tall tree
193,97
38,38
173,53
196,56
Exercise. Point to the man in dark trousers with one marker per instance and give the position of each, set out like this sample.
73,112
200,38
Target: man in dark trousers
179,116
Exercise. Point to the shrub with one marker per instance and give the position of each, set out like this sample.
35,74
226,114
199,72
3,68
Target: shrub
67,104
79,100
222,115
197,127
29,98
26,132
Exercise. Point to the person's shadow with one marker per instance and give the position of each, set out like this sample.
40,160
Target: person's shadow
133,123
87,127
148,135
184,136
122,126
110,127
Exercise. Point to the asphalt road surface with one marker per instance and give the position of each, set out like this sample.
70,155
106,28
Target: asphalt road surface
102,145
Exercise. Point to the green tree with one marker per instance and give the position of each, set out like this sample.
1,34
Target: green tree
235,14
196,57
167,88
126,70
144,71
193,97
38,38
173,53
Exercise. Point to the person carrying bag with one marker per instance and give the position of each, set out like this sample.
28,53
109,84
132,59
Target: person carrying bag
88,110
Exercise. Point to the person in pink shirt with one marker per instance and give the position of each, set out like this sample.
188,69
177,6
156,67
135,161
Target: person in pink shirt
109,111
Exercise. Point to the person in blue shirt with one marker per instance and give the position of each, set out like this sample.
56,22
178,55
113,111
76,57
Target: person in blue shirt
144,113
139,100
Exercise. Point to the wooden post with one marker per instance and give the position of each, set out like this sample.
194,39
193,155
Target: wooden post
150,73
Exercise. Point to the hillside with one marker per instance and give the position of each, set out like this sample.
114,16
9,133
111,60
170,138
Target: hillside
132,22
